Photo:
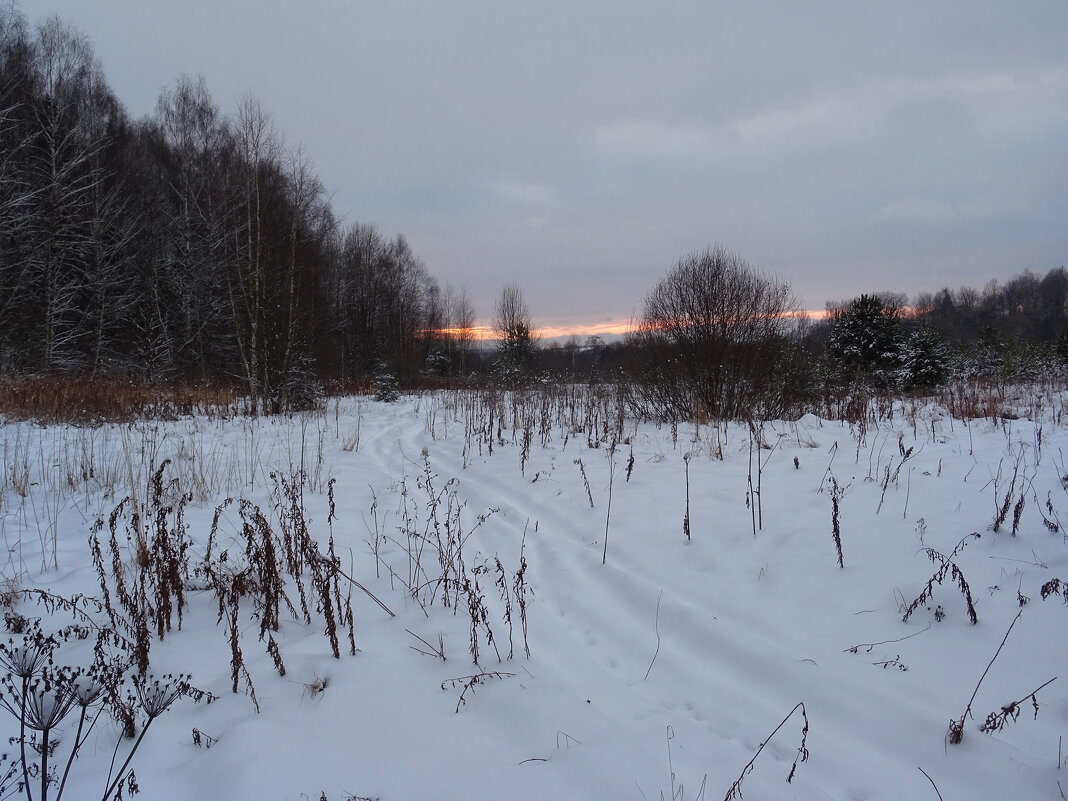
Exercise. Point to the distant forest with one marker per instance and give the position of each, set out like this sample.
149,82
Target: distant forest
197,246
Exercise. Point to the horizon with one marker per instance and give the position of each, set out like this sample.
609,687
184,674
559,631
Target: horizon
614,329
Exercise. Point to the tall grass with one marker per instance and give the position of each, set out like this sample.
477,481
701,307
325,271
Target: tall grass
89,400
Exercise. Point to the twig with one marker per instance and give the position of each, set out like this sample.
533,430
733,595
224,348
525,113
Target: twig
370,594
469,682
908,491
658,599
608,517
802,753
437,653
568,739
1036,562
995,656
686,518
935,786
870,645
947,567
956,727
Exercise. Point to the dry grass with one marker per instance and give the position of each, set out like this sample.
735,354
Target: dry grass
86,400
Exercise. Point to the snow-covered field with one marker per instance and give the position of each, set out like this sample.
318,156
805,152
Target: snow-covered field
659,673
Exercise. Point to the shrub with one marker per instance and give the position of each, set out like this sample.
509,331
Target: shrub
713,341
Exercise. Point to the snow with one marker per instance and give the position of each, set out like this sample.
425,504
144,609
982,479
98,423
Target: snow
660,671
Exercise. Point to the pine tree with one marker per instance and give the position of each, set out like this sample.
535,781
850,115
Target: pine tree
923,359
866,340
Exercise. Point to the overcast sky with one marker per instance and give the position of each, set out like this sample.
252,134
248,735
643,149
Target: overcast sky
579,148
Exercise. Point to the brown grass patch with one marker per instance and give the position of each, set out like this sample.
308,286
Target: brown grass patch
92,401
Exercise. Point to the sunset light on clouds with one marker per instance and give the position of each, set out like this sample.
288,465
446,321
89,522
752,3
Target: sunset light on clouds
607,329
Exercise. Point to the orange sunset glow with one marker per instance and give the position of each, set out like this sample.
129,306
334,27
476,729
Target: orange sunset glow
614,327
484,333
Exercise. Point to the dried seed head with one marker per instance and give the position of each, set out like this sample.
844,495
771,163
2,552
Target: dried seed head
28,659
46,706
156,697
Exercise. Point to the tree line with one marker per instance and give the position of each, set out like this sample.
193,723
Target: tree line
198,246
718,339
188,244
1015,329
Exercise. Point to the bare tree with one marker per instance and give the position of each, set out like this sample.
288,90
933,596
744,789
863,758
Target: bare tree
712,337
513,329
66,260
458,325
386,306
259,151
64,167
311,224
189,323
464,321
17,191
112,288
187,243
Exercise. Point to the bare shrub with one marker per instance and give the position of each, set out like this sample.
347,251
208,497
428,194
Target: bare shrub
713,341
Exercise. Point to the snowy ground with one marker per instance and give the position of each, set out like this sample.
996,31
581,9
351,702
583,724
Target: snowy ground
658,673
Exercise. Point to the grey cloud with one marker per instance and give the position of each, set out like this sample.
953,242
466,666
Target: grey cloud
579,148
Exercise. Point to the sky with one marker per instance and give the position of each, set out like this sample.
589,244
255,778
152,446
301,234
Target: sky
579,149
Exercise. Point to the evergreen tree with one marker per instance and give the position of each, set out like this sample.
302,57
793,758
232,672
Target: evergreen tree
866,340
923,359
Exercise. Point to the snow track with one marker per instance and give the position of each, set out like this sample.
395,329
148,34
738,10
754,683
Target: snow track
702,647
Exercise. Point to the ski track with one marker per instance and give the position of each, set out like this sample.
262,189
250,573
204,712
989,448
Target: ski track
602,622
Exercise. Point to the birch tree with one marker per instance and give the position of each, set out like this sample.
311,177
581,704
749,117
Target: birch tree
64,171
190,318
17,90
